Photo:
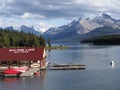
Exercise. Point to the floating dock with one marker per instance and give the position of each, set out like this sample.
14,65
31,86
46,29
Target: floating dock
33,71
30,72
66,67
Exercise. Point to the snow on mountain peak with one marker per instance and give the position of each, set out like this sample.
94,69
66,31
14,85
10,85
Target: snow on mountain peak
87,25
102,24
29,30
103,15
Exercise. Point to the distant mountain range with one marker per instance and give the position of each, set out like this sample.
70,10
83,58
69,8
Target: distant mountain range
102,24
29,30
83,28
9,28
25,29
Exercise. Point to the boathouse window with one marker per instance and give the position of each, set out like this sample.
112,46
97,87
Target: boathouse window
3,63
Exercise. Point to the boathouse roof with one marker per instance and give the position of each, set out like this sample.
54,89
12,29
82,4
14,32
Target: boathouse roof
24,53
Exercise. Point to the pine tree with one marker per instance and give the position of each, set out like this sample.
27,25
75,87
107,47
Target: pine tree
19,39
49,43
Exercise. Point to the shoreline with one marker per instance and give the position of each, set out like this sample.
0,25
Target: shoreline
56,47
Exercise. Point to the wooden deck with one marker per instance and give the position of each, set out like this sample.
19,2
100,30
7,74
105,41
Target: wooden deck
66,67
30,72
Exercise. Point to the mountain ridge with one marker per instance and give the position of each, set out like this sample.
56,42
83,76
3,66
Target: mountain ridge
82,27
25,29
29,30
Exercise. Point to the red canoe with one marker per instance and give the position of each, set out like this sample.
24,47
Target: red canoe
21,69
17,70
11,71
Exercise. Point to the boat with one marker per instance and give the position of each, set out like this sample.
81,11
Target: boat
11,71
15,71
35,65
21,69
112,63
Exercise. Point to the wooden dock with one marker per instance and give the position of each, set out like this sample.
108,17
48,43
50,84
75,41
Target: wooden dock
33,71
66,67
30,72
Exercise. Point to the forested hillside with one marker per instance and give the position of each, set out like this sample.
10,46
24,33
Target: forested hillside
20,39
104,40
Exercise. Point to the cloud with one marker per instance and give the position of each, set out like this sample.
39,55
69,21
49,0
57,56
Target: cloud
49,9
45,10
100,5
97,3
27,15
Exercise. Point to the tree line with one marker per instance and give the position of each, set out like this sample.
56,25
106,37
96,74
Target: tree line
107,40
20,39
104,40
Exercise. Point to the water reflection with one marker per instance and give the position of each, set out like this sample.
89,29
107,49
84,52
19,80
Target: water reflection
93,56
9,79
98,74
24,83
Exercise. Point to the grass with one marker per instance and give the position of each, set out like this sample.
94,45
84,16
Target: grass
56,47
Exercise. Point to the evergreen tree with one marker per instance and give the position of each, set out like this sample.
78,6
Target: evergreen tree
49,43
20,39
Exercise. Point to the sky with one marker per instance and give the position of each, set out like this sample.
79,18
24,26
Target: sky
43,14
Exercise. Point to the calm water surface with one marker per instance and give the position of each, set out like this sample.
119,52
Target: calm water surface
98,75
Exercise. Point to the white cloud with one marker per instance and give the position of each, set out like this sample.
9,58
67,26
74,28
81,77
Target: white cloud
43,14
2,4
27,15
49,9
6,1
98,3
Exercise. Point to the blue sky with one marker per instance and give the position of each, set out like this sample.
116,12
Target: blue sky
43,14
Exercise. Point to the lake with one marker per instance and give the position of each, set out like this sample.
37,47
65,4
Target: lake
98,75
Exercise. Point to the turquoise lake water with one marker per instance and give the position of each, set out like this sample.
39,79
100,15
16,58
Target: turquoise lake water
98,75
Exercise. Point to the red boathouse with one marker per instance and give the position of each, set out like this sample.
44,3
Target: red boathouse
23,56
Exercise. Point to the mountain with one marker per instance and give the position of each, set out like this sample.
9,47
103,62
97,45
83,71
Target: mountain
24,29
29,30
9,28
102,31
83,25
106,20
83,28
